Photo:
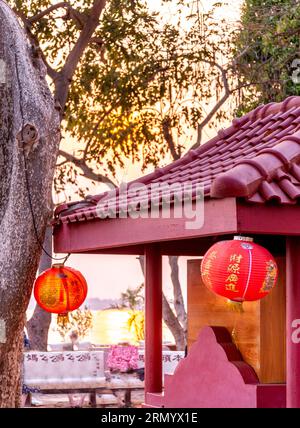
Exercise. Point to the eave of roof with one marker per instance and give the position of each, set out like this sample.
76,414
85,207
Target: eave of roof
256,158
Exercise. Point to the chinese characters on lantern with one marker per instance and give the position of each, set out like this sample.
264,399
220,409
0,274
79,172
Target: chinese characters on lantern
233,271
60,289
206,266
238,270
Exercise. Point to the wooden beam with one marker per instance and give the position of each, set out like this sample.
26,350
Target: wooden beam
185,247
133,250
268,219
97,234
153,320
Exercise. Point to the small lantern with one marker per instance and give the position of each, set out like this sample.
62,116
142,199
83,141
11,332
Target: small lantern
239,270
60,290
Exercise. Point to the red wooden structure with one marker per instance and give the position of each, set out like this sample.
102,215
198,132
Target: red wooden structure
215,375
251,178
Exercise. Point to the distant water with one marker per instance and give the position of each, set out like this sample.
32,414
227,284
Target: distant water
109,327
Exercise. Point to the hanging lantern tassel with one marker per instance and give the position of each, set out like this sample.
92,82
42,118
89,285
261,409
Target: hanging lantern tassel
63,319
234,337
235,306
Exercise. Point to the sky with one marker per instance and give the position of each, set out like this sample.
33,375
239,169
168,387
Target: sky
108,276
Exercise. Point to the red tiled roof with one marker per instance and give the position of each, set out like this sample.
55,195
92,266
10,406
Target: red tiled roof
257,158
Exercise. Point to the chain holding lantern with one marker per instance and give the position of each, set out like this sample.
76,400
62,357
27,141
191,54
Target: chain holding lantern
239,270
60,290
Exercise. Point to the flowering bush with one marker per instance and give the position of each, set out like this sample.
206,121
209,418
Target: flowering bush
122,358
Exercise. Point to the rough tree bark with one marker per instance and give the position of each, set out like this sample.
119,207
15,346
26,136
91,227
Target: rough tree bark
174,325
24,99
177,291
39,324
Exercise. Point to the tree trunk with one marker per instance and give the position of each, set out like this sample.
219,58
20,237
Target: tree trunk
24,99
39,323
170,318
174,325
177,291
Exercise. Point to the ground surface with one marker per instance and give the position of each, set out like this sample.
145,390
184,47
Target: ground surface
62,400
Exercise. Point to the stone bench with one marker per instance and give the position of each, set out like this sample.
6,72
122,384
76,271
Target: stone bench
85,372
65,372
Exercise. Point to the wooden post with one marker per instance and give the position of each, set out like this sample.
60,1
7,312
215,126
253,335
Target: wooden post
153,319
293,321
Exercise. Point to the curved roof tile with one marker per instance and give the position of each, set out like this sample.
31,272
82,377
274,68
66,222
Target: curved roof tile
256,158
245,178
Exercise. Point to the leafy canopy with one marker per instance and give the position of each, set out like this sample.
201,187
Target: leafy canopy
144,83
79,322
270,38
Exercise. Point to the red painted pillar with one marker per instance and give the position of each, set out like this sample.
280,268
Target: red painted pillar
153,319
293,322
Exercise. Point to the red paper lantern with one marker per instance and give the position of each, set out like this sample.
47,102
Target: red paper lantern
239,270
60,290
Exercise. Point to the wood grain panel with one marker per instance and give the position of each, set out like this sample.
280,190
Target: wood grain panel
272,331
206,308
258,331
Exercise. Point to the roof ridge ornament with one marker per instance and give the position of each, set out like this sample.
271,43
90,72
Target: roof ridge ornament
245,178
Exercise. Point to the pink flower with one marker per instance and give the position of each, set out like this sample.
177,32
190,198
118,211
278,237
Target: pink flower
122,358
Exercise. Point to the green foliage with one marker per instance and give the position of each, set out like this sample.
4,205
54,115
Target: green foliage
132,298
79,321
149,75
136,323
143,84
269,38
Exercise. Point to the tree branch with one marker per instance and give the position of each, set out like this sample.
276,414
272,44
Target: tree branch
169,317
207,119
177,291
72,13
166,128
34,40
97,40
173,324
217,106
39,16
87,171
58,165
65,76
78,18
